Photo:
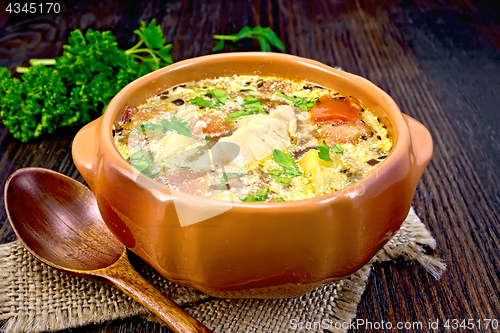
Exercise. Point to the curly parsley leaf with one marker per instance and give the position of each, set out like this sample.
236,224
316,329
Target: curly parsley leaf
265,36
299,102
287,162
261,195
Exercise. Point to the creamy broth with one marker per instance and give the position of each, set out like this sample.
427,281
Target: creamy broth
252,138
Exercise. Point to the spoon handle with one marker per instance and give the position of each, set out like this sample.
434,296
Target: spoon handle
126,278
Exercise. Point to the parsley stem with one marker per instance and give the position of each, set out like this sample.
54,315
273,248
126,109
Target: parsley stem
22,69
35,62
136,46
223,37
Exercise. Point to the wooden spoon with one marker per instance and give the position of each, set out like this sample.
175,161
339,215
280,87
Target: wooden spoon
57,219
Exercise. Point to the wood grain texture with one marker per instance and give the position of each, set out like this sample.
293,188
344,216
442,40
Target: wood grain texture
439,60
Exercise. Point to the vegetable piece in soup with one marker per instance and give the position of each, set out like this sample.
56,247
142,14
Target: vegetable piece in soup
252,139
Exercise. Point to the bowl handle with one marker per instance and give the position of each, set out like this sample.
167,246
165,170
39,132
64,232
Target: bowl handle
85,151
422,146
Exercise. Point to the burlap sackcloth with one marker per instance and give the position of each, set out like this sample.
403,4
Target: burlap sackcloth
35,297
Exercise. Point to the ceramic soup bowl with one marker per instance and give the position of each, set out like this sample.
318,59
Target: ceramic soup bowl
253,250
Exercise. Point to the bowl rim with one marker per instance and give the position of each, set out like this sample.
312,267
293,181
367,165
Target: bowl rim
401,140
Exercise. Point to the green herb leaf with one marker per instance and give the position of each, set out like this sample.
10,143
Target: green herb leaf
261,195
276,172
223,181
219,46
260,165
324,152
243,33
226,176
337,149
287,162
299,102
273,38
265,36
167,125
241,113
150,127
219,95
201,102
141,162
283,180
207,141
280,199
151,35
181,126
251,106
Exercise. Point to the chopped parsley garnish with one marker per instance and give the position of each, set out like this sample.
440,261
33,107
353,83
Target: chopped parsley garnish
280,199
265,36
278,176
141,162
251,106
299,102
324,151
226,176
284,180
286,161
207,141
260,165
276,172
261,195
201,102
179,125
219,96
337,149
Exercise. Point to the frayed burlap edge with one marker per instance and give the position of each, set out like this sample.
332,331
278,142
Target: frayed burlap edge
78,302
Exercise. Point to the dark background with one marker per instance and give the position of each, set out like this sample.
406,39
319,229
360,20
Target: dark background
439,60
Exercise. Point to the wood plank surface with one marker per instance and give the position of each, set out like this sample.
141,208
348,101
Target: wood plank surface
439,60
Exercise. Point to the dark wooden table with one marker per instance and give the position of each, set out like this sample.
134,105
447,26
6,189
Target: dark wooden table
440,61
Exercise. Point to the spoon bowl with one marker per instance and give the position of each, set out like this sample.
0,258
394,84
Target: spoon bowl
57,220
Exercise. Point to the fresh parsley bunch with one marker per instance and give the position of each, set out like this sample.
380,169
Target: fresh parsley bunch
77,86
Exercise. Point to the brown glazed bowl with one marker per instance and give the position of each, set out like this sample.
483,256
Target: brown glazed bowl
254,250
